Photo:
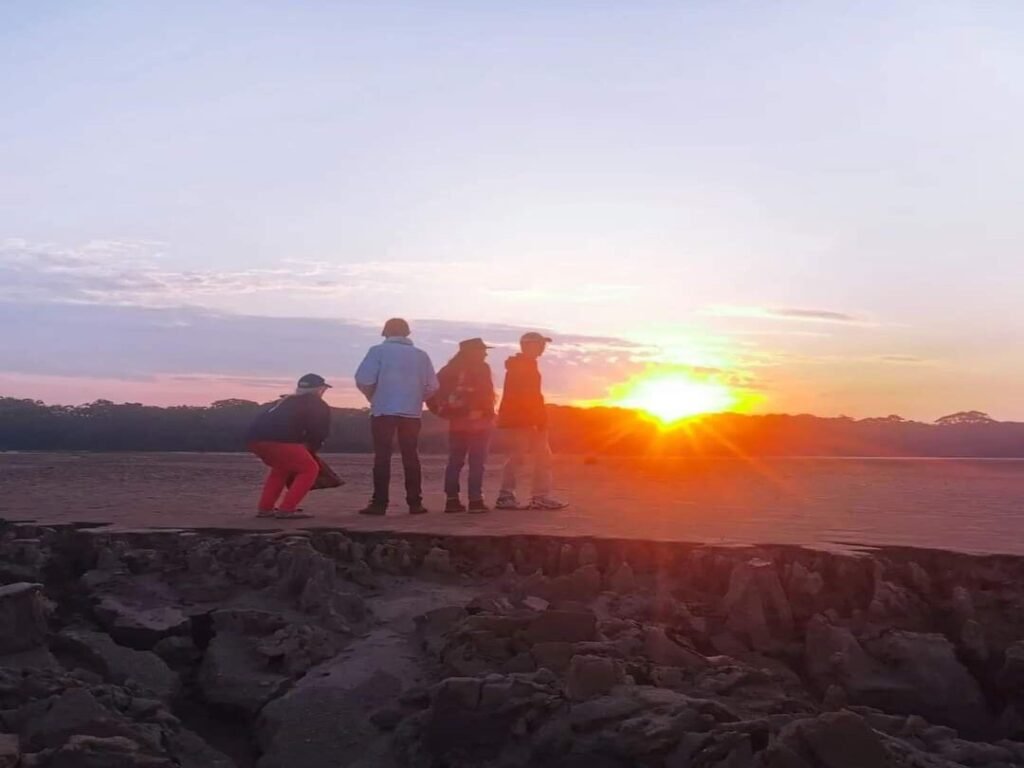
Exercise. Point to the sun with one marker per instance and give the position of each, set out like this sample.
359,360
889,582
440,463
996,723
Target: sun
671,396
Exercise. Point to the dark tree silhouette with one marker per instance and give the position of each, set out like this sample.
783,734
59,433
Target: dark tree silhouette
30,425
965,417
890,419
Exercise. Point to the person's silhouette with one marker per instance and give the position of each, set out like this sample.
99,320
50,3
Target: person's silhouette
396,378
523,416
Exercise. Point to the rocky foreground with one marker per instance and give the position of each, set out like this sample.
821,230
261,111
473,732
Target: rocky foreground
303,649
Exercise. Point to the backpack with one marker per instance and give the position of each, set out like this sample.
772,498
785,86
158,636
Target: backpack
450,402
327,477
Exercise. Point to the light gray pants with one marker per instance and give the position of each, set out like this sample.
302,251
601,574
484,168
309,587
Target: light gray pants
532,442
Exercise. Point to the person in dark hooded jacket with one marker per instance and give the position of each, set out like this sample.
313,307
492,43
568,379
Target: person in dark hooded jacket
523,416
466,399
285,436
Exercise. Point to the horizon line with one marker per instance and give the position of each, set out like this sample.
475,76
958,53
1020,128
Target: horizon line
574,406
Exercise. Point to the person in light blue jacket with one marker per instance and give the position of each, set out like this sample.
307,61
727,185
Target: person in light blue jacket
396,378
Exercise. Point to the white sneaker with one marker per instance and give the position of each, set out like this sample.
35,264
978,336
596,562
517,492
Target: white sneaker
506,501
296,514
546,502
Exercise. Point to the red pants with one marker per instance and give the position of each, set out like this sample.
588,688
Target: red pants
286,460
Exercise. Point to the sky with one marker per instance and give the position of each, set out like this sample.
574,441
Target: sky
818,203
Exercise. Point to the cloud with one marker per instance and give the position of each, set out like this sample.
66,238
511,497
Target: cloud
812,315
113,310
795,314
134,273
580,293
189,345
912,359
131,273
784,333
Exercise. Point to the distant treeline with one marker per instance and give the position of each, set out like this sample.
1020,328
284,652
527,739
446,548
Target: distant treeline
28,425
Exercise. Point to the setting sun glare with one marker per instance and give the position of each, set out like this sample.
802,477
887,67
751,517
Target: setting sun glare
671,396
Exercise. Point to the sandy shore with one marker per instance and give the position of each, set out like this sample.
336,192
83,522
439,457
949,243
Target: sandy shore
962,505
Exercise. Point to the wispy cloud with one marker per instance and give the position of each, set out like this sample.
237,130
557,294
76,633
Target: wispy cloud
190,346
112,310
132,273
813,315
909,359
135,274
579,293
845,360
794,314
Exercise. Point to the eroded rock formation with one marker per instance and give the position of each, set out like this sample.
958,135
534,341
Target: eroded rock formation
320,648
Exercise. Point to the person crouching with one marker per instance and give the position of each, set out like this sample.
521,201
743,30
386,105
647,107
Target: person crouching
284,436
466,399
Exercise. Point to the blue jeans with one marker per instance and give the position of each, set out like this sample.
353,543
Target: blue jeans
463,443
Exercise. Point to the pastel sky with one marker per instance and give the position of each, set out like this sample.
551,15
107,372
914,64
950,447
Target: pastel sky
820,200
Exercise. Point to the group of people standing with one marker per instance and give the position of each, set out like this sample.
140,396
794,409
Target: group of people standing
398,379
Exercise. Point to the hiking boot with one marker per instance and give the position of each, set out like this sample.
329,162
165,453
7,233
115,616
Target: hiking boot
478,506
374,508
417,508
507,500
546,502
453,505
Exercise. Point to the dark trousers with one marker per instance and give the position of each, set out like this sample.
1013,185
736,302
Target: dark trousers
462,443
384,429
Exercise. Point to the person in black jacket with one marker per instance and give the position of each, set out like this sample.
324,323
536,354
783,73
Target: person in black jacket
285,436
466,399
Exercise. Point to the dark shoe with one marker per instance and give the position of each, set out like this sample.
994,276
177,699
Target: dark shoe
374,508
478,506
417,509
454,506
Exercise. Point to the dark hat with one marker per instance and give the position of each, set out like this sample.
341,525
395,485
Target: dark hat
474,343
396,326
312,381
534,337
